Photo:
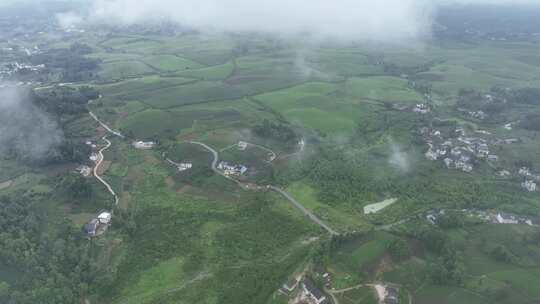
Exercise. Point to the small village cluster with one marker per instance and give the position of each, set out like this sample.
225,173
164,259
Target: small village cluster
14,68
308,294
462,152
303,290
457,153
493,217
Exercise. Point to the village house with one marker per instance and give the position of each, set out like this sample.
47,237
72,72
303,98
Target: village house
391,295
480,115
98,225
448,162
481,150
144,145
91,227
524,171
242,145
483,132
492,158
504,173
91,144
313,293
232,169
184,166
421,108
504,218
529,185
433,216
84,170
94,157
105,218
289,287
463,164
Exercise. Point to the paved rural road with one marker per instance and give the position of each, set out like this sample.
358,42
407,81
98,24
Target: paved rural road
96,168
306,212
272,154
116,133
215,154
100,154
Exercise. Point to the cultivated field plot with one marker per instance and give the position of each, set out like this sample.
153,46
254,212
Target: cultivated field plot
218,72
389,89
361,295
171,63
199,92
133,88
118,70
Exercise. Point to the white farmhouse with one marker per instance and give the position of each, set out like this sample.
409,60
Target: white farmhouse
105,218
144,145
242,145
503,218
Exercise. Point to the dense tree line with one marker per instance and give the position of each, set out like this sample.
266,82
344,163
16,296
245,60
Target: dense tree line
71,63
65,100
276,131
491,103
337,180
55,265
447,268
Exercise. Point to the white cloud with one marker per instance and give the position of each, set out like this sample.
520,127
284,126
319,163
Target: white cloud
493,2
381,20
68,20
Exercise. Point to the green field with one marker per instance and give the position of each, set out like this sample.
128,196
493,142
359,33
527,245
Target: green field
390,89
340,119
170,63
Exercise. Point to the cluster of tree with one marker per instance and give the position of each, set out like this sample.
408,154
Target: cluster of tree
448,268
338,181
399,249
276,131
526,96
76,187
450,220
421,86
531,122
55,265
497,100
397,70
502,254
71,151
491,103
71,63
65,100
473,22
